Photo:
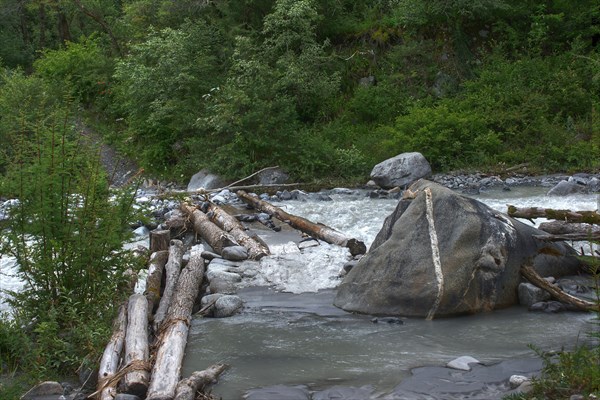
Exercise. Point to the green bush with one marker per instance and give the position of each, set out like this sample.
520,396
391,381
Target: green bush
66,235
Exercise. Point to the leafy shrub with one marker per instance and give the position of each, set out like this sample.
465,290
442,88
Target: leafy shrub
83,66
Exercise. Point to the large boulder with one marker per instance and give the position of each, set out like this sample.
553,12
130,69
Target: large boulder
401,170
443,254
204,179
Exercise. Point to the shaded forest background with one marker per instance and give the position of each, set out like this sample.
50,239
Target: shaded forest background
323,88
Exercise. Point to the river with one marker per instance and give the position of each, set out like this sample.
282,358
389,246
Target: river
290,334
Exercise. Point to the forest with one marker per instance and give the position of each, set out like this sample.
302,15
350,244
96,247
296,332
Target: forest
323,88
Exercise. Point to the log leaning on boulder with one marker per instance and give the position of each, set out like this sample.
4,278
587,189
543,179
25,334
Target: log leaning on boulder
528,272
172,270
198,381
136,347
231,225
109,363
174,332
561,230
210,232
590,217
318,231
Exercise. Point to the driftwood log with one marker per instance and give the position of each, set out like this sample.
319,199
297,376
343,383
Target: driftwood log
210,232
156,265
231,225
561,230
172,270
159,240
198,382
590,217
136,347
533,277
174,332
318,231
109,363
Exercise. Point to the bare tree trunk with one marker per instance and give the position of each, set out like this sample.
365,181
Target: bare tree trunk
318,231
172,269
64,33
156,265
159,240
136,347
590,217
533,277
230,224
43,25
198,381
211,233
103,24
109,363
173,337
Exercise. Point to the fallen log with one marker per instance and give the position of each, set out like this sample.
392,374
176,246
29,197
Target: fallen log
318,231
198,382
231,225
533,277
210,232
172,270
576,237
159,240
174,332
590,217
156,265
109,363
562,228
136,347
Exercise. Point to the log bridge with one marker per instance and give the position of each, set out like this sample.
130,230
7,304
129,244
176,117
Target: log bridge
145,352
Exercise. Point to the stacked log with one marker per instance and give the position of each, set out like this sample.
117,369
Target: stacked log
173,336
172,269
318,231
211,233
126,363
137,352
566,225
109,364
231,225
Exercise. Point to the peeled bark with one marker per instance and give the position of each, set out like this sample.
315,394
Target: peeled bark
136,347
172,270
590,217
211,233
156,265
109,363
231,225
533,277
159,240
198,381
173,337
318,231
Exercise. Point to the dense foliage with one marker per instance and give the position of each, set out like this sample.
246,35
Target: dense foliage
323,88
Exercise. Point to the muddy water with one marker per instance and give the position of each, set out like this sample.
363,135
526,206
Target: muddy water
289,333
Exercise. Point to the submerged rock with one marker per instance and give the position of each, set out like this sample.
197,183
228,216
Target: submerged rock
443,254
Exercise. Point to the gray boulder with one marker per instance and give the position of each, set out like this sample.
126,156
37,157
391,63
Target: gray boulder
564,188
235,253
530,294
44,389
227,305
443,254
272,177
401,170
204,179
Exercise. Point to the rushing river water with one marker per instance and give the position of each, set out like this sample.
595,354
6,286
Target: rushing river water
289,333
